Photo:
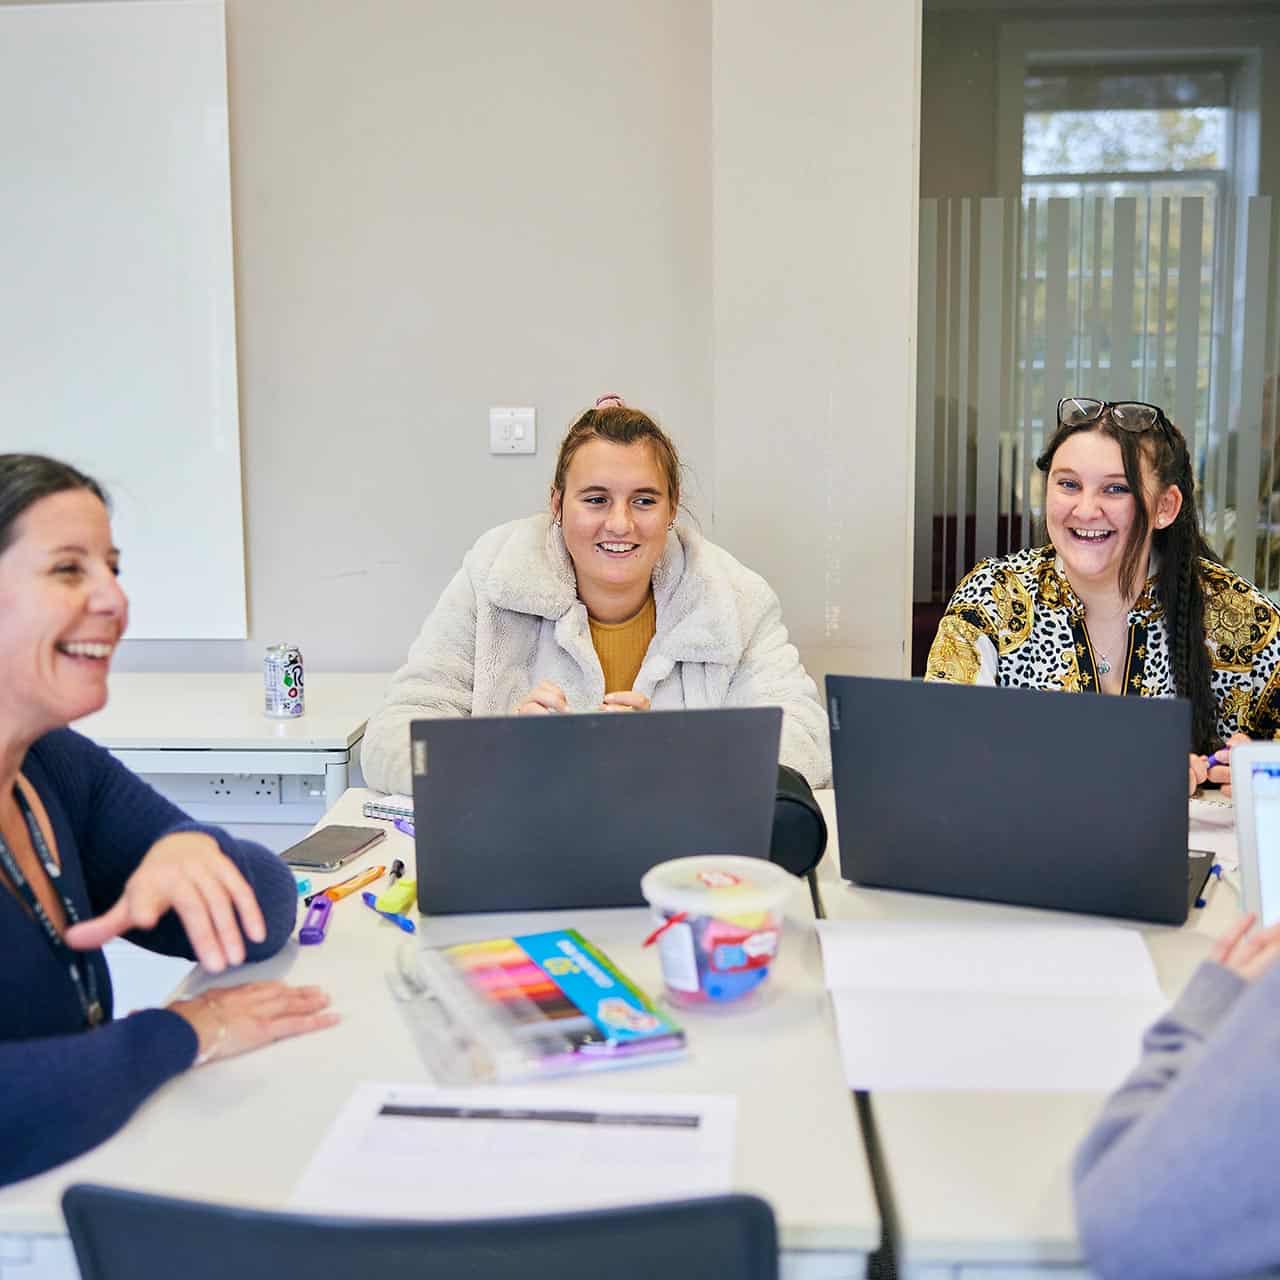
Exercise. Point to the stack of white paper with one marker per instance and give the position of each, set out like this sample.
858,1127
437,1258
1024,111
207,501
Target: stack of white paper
988,1006
414,1151
1213,829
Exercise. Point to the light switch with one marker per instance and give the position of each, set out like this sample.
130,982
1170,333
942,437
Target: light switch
512,430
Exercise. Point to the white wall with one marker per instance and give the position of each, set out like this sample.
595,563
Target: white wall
816,127
440,206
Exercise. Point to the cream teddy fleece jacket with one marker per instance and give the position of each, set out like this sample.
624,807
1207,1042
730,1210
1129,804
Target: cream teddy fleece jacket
511,617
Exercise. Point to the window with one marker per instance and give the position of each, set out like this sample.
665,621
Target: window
1155,132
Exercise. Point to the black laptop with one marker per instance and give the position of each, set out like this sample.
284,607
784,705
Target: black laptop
522,813
1076,802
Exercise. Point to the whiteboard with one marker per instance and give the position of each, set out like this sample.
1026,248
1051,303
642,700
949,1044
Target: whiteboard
117,322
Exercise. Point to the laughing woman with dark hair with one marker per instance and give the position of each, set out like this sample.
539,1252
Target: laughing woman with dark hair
89,852
1127,598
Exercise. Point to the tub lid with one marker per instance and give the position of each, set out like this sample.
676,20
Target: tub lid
717,884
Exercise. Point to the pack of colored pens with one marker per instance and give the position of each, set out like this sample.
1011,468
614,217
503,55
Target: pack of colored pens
533,1005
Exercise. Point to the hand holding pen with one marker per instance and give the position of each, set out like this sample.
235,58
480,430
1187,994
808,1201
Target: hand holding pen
1219,763
544,699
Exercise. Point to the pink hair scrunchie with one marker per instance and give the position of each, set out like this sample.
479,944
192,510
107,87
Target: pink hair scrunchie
610,401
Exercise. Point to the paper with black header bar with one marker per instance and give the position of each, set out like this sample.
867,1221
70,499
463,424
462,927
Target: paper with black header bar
416,1151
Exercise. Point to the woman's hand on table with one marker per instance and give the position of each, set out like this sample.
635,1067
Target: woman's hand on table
1220,762
232,1020
544,699
1249,955
187,873
625,700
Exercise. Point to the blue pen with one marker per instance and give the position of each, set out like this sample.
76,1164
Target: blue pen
1215,870
405,825
403,922
1213,761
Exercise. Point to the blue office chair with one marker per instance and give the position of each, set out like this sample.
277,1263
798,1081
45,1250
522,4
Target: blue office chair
125,1235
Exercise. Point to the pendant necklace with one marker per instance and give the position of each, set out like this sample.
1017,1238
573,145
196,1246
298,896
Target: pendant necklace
1101,660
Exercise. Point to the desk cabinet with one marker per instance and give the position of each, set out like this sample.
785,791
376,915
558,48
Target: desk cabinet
202,740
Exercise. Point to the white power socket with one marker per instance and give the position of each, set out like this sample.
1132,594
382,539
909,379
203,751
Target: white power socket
245,788
513,430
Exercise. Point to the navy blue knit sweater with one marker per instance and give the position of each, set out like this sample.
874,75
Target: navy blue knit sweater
66,1088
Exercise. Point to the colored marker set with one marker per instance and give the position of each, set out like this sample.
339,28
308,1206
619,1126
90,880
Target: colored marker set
531,1005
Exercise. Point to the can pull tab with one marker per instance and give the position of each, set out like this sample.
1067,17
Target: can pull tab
663,927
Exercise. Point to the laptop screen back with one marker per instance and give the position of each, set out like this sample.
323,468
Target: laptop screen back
1076,802
527,813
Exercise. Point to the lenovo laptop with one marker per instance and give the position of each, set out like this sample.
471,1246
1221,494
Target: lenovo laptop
522,813
1076,802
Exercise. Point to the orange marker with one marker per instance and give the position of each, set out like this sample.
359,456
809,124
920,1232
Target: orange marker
335,893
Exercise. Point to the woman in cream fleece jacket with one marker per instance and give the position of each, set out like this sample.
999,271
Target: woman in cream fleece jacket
513,630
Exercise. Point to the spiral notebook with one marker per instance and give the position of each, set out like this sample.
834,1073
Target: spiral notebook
388,807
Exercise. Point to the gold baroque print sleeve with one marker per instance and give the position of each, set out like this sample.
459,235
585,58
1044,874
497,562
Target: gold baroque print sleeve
1242,631
965,649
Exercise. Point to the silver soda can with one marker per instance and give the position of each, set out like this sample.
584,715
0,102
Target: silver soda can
282,681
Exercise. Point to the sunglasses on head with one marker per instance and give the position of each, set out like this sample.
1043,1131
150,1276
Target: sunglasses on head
1129,415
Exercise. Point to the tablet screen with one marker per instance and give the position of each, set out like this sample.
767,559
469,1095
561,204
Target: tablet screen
1266,825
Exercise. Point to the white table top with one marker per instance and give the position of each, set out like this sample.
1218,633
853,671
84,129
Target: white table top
985,1177
223,710
242,1131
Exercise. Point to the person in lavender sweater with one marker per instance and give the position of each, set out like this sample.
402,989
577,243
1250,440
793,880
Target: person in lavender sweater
89,852
1176,1179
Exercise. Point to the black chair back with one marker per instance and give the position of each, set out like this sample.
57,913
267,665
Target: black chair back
125,1235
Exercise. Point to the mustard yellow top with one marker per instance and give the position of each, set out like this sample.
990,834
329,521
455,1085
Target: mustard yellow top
621,646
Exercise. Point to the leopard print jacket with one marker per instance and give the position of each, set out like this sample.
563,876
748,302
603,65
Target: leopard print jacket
1015,621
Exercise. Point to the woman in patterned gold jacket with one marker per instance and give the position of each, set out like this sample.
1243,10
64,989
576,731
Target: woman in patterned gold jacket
1127,597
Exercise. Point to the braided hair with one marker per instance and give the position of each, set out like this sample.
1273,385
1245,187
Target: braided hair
1179,547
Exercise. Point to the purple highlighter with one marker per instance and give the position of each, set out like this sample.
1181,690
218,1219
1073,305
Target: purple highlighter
317,921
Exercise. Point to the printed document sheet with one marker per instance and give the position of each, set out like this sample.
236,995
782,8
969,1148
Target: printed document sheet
415,1151
989,1006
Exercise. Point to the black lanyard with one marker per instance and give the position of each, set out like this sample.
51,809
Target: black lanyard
83,975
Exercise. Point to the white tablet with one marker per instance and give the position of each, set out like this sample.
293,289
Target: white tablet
1255,788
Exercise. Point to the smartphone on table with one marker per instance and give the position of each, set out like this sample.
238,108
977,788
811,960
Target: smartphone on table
332,847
